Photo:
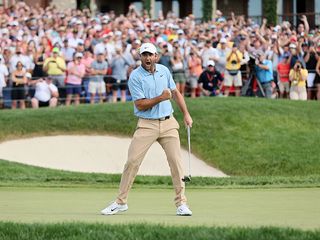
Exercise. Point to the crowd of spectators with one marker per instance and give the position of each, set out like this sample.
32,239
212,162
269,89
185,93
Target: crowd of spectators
50,57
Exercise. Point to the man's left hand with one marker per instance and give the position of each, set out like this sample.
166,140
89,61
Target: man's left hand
188,120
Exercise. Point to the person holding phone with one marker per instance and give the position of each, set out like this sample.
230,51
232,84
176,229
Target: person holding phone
298,77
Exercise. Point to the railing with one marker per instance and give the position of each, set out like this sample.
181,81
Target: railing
293,18
85,95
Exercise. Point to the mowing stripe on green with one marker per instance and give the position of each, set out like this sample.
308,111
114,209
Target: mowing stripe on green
297,208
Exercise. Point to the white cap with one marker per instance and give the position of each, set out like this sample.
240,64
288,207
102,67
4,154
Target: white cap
223,40
292,45
79,54
118,33
210,63
14,23
180,31
97,27
137,41
148,47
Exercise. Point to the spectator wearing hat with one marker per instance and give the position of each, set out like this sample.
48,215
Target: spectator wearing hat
46,93
210,80
19,81
298,77
99,68
55,67
296,55
76,71
232,74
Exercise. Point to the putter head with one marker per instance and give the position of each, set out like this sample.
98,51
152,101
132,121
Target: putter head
186,179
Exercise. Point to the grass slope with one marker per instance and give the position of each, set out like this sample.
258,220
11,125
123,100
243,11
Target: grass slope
17,174
241,136
81,231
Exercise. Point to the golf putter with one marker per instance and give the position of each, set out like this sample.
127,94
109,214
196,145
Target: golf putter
188,178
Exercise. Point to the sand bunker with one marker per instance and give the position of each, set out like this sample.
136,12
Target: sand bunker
100,154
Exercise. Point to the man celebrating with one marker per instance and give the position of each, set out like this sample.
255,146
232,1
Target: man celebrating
151,86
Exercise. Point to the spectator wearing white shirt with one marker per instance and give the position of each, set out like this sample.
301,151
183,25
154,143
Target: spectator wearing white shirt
20,57
46,93
209,53
67,51
4,73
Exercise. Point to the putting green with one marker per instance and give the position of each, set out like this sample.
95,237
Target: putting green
298,208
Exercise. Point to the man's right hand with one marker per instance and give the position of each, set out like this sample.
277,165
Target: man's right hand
166,94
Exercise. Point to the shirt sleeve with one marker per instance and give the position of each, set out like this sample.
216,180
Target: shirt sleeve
53,88
135,88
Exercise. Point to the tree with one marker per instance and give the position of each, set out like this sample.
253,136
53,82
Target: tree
82,4
207,10
147,6
269,11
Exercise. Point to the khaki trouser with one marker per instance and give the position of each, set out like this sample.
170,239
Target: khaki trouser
147,132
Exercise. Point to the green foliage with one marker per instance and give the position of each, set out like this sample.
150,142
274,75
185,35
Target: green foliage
147,6
81,231
207,10
84,4
269,10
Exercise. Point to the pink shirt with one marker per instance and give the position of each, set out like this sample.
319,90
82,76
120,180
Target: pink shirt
87,62
80,70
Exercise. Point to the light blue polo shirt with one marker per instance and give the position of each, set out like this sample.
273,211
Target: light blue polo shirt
265,76
143,84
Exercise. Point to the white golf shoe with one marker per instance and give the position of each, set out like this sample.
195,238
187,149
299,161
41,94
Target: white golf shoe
183,210
113,208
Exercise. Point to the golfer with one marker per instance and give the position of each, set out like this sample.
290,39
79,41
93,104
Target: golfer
151,86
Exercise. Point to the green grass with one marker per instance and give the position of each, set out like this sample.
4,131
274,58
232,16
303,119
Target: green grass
240,136
17,174
270,148
81,231
295,208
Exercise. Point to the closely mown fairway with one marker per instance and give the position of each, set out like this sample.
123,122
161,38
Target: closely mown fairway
296,208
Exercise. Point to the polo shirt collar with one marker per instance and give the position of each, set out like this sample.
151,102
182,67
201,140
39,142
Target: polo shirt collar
146,73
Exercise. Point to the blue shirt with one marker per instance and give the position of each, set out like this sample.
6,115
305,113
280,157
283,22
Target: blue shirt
143,84
265,76
96,65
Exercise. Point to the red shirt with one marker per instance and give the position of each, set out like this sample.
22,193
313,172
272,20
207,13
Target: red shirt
283,71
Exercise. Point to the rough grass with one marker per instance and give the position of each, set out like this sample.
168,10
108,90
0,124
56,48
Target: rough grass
81,231
240,136
17,174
